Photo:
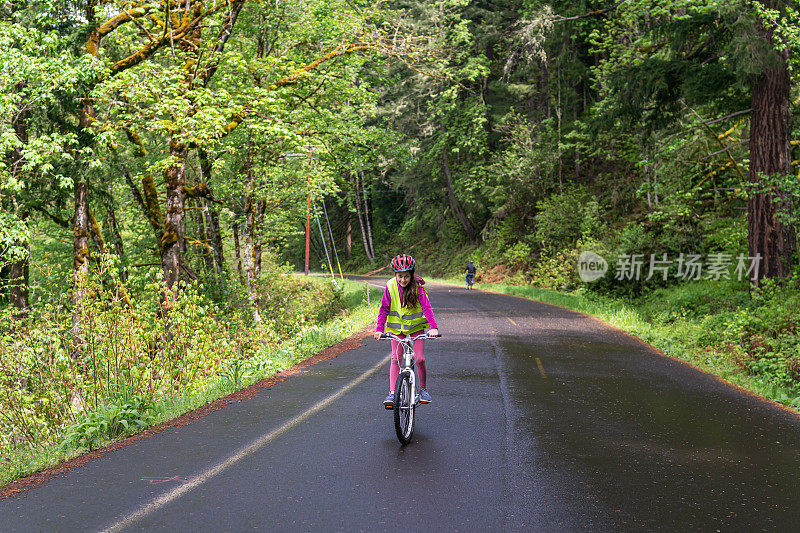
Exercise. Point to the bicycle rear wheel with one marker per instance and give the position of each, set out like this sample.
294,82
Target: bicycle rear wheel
403,408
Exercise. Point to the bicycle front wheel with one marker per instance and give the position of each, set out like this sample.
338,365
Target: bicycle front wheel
403,408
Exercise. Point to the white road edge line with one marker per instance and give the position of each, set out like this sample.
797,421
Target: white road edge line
243,452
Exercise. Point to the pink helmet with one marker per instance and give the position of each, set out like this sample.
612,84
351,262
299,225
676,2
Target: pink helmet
403,263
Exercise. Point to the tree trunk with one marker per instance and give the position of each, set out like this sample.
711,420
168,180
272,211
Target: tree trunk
119,248
205,237
151,207
237,250
216,241
367,218
173,241
259,231
357,197
18,269
80,261
250,209
545,91
95,232
80,221
19,282
645,142
348,235
250,256
215,234
654,170
768,235
451,196
577,153
558,118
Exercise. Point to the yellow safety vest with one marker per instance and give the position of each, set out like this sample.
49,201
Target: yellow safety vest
403,319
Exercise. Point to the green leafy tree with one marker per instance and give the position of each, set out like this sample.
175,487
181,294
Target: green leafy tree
666,58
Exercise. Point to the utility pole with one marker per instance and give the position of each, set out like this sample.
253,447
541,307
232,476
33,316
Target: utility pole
308,206
308,221
310,155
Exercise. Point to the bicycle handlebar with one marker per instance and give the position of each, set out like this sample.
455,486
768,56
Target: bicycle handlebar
392,336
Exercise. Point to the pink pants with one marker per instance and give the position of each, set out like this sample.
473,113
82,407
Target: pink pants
397,353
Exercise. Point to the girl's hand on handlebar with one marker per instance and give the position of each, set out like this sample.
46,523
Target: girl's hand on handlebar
433,332
378,334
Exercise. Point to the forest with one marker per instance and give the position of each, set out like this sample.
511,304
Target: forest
162,159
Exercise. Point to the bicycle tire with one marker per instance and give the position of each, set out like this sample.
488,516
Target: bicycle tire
403,408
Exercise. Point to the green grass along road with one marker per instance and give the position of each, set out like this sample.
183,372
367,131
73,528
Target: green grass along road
237,376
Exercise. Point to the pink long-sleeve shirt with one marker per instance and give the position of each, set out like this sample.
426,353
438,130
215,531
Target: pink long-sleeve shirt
386,304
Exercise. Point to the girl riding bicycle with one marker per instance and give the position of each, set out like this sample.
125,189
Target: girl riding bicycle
405,304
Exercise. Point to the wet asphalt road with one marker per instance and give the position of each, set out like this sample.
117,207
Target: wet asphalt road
542,419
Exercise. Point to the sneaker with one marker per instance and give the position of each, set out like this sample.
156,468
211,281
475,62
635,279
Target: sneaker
424,396
388,403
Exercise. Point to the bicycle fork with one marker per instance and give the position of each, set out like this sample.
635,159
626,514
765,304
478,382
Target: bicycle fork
412,378
408,367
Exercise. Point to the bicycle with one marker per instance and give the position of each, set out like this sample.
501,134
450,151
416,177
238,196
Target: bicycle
470,279
406,398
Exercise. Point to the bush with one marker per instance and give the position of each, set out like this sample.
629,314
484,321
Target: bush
760,335
124,415
518,256
726,235
558,271
157,344
562,219
288,303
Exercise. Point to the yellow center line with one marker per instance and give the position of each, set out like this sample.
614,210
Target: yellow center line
513,322
541,368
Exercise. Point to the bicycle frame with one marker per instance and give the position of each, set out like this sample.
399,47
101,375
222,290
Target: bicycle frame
404,423
407,342
408,364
